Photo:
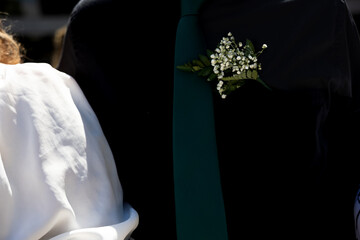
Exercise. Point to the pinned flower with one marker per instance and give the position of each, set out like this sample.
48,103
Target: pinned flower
231,64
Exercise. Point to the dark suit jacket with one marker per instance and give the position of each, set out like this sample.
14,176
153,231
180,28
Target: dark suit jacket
288,159
120,53
290,152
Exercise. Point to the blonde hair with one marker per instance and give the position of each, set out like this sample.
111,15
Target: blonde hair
10,49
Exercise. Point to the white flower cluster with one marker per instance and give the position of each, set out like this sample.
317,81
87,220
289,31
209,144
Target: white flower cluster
234,59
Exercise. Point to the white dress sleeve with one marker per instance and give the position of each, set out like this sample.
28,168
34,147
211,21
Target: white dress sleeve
58,178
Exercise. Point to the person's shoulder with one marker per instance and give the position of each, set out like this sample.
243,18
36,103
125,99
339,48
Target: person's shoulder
89,6
32,75
39,69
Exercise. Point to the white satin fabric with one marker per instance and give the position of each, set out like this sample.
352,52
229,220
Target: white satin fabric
58,179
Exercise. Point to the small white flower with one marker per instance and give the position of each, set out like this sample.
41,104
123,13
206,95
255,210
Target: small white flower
229,59
219,85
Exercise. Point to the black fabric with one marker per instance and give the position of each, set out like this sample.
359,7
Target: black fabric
121,55
308,45
288,157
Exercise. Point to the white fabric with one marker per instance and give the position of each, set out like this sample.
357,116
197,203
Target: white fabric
58,179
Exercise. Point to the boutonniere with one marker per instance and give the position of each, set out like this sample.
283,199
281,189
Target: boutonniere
231,64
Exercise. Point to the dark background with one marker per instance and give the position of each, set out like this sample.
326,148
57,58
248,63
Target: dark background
34,24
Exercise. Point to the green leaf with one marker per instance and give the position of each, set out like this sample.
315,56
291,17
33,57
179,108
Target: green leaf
204,59
263,83
196,68
250,44
248,74
232,78
241,83
198,63
243,75
209,52
254,74
212,76
185,68
205,71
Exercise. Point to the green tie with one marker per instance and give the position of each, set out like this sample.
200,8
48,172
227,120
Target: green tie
199,203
